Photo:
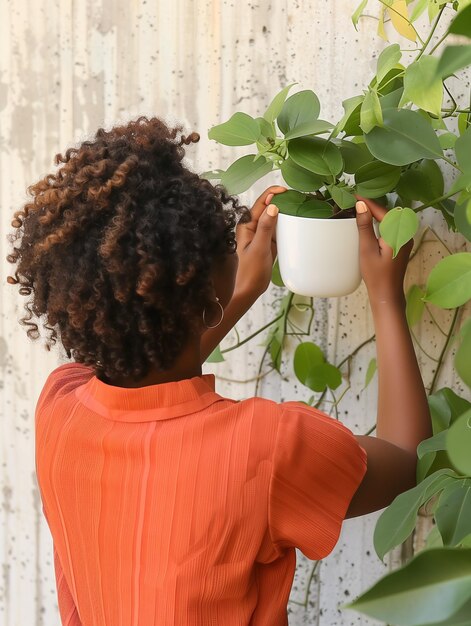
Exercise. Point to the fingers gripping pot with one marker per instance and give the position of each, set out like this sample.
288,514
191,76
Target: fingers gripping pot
318,257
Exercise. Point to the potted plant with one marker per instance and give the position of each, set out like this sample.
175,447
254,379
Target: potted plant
391,139
386,147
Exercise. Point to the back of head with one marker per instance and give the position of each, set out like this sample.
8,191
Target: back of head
116,248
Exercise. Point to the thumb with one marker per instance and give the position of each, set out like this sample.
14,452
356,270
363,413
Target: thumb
265,229
368,240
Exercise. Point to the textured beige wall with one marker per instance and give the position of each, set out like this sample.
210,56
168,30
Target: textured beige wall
67,67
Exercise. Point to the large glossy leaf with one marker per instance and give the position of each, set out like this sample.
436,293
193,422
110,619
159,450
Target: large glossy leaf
300,178
453,59
392,99
387,60
341,196
432,587
463,150
404,138
427,453
423,182
463,354
414,305
375,179
461,25
276,104
462,216
423,86
371,114
315,208
398,521
312,370
239,130
316,155
449,282
445,407
354,155
453,515
244,172
315,127
459,443
290,201
461,618
299,109
350,120
398,226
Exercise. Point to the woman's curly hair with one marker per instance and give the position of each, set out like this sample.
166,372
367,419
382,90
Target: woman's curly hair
117,247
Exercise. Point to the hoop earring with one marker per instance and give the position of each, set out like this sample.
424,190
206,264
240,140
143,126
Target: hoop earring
222,315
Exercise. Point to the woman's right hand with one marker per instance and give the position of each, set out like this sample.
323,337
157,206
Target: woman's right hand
383,275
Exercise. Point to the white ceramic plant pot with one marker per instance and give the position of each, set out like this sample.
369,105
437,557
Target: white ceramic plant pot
318,257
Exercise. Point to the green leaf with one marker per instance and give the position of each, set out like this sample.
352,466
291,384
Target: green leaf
216,356
432,587
397,522
290,201
398,227
276,104
300,108
244,172
447,140
423,86
434,539
463,354
449,282
312,370
239,130
387,60
419,7
276,276
371,114
315,127
375,179
342,198
316,155
358,11
458,443
423,182
453,59
463,124
306,356
300,178
463,151
405,137
315,208
414,305
427,453
462,217
370,372
350,121
446,406
461,25
391,100
453,515
266,129
354,155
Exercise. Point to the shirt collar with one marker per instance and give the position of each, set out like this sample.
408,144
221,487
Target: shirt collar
153,402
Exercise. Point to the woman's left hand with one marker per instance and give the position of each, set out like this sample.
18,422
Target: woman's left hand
256,245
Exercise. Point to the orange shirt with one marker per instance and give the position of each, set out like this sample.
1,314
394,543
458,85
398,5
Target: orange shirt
172,505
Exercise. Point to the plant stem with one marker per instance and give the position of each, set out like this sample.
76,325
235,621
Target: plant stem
257,332
370,430
434,201
441,241
420,346
430,35
444,350
435,321
248,380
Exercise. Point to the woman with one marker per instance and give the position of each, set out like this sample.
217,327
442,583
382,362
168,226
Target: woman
168,503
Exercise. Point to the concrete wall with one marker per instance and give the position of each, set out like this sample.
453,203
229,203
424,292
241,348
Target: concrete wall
67,67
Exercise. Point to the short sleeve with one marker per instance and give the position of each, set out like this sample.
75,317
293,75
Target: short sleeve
317,466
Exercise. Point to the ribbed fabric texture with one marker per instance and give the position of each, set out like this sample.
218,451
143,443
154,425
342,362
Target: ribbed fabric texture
172,505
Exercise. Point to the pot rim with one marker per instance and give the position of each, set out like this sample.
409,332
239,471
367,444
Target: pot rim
317,219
